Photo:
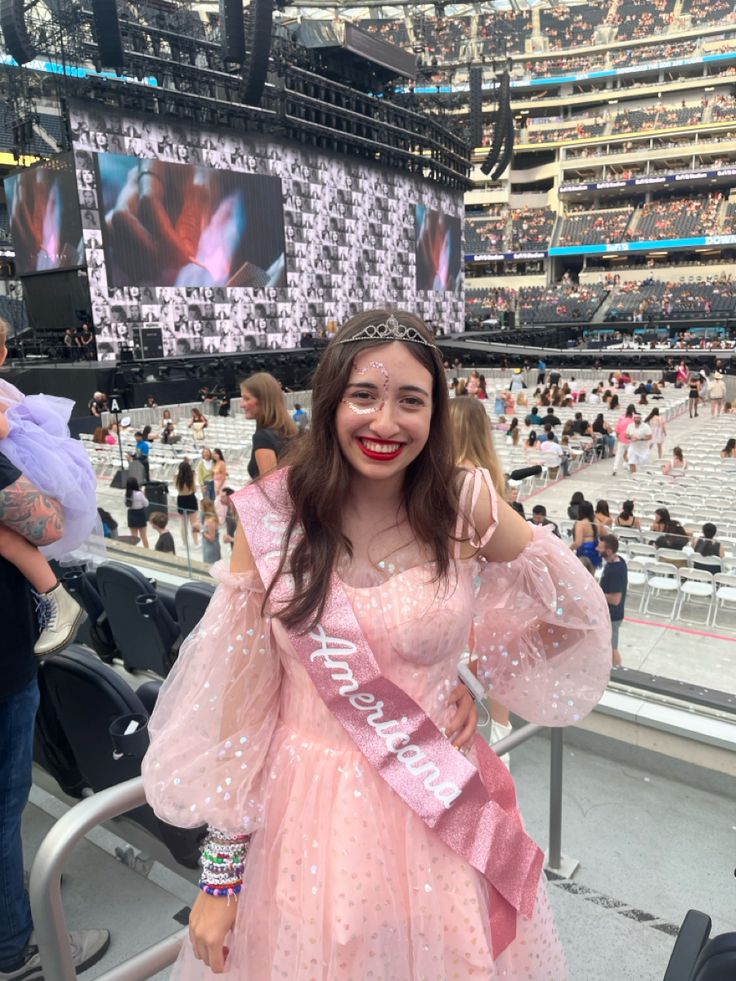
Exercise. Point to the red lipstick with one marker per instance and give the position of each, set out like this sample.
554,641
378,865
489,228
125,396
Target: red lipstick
373,455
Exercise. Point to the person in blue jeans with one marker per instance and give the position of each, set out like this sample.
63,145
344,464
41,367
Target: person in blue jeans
19,959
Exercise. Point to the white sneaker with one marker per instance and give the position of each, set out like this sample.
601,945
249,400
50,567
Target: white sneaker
87,946
62,617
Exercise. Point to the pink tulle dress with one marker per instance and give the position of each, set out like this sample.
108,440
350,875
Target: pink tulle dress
40,446
343,881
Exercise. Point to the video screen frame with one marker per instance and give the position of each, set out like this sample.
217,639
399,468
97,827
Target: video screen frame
439,253
35,216
153,230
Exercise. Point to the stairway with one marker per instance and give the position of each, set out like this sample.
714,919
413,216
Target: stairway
601,313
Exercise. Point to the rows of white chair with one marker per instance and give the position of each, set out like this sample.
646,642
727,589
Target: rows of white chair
664,580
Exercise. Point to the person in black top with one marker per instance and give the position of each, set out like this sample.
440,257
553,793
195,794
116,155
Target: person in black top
98,404
614,582
551,419
708,547
539,517
165,542
18,705
263,401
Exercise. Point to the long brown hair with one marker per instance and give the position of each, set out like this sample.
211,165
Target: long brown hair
272,411
473,439
314,538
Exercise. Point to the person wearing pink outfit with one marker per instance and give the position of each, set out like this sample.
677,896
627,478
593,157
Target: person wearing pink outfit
313,719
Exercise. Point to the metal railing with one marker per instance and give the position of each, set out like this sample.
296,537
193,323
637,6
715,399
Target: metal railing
48,866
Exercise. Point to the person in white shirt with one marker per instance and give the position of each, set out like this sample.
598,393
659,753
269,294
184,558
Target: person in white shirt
639,434
717,393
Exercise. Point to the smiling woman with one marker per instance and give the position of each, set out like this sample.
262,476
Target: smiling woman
314,718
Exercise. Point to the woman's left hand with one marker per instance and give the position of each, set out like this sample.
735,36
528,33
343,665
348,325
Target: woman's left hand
463,725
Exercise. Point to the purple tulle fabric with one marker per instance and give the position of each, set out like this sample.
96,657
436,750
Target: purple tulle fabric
40,446
343,880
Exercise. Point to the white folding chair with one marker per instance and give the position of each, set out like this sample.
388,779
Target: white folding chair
662,583
675,556
643,553
637,580
627,534
696,589
712,563
725,597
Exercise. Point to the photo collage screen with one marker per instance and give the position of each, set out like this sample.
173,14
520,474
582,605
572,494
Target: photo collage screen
209,242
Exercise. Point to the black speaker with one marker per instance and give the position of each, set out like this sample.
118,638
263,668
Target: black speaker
232,30
260,27
107,33
17,40
476,105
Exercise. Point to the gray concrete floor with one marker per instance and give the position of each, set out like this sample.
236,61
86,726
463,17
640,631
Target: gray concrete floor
649,849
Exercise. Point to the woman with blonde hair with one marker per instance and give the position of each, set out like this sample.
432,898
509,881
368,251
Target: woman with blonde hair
473,440
263,401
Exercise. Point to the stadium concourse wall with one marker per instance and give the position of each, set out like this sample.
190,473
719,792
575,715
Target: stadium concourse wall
344,236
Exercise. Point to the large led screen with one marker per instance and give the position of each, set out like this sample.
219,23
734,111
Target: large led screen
438,242
45,224
169,224
345,233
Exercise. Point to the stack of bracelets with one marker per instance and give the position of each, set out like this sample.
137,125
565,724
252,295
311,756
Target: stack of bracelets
222,862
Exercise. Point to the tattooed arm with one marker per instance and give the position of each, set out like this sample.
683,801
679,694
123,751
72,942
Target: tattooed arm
35,516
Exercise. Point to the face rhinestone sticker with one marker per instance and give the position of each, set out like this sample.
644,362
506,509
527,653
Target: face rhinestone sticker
362,410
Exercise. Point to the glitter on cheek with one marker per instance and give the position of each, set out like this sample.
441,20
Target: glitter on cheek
360,410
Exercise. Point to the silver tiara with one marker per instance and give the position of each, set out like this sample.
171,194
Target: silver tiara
391,330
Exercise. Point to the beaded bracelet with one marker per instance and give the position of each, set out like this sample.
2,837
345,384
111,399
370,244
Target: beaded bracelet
223,862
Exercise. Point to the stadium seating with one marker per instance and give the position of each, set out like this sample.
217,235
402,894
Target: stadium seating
590,227
531,228
558,304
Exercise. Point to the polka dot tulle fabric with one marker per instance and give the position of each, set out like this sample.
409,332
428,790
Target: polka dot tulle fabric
343,881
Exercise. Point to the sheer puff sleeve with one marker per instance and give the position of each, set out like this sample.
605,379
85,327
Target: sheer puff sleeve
215,715
542,632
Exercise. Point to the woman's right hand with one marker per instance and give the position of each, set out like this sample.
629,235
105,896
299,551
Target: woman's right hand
211,920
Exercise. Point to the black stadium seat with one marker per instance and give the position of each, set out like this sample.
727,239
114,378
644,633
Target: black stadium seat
80,698
695,958
95,631
146,633
192,599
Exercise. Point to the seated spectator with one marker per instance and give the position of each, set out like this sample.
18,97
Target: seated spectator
677,465
513,433
729,450
548,435
673,535
604,434
626,518
103,436
109,524
555,456
573,507
708,547
531,442
539,517
533,419
603,516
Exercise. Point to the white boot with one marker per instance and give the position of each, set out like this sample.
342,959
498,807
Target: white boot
62,618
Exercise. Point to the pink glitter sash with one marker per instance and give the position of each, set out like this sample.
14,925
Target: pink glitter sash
472,809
